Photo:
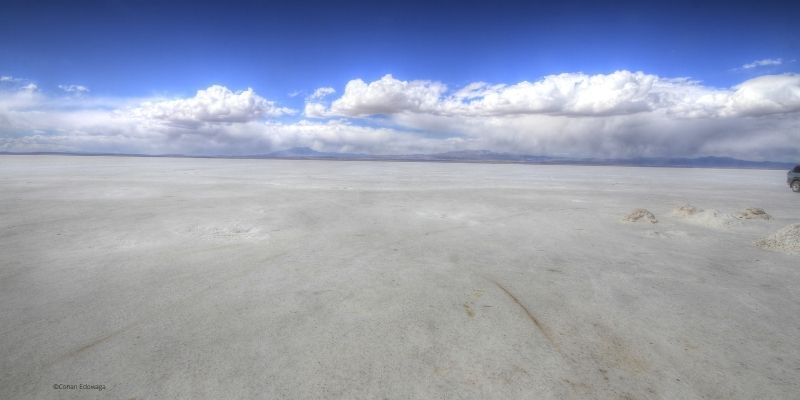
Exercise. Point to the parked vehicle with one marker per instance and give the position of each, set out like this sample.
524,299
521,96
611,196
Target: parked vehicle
793,179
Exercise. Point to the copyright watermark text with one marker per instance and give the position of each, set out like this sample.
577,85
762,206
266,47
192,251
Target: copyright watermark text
79,386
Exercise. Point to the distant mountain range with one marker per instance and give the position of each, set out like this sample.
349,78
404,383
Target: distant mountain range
494,157
477,156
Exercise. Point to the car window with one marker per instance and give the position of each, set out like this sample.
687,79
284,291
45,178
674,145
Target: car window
796,169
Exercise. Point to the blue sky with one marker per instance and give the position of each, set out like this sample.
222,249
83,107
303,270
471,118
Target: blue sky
136,48
152,51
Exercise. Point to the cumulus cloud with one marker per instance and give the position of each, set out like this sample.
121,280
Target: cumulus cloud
313,107
74,89
619,114
215,121
621,92
316,110
568,94
387,96
763,63
771,94
216,104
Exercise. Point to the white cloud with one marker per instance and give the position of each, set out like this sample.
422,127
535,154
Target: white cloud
313,107
387,96
568,94
74,89
769,94
621,92
19,84
321,93
315,110
763,63
620,114
216,104
215,121
30,88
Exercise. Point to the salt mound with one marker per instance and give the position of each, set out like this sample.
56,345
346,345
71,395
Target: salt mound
786,240
686,210
753,213
640,214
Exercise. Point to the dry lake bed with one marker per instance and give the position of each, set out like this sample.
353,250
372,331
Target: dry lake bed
211,278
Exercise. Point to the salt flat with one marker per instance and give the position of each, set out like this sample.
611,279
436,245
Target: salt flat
212,278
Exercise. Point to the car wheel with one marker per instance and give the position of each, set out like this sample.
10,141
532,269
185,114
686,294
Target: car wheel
796,186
